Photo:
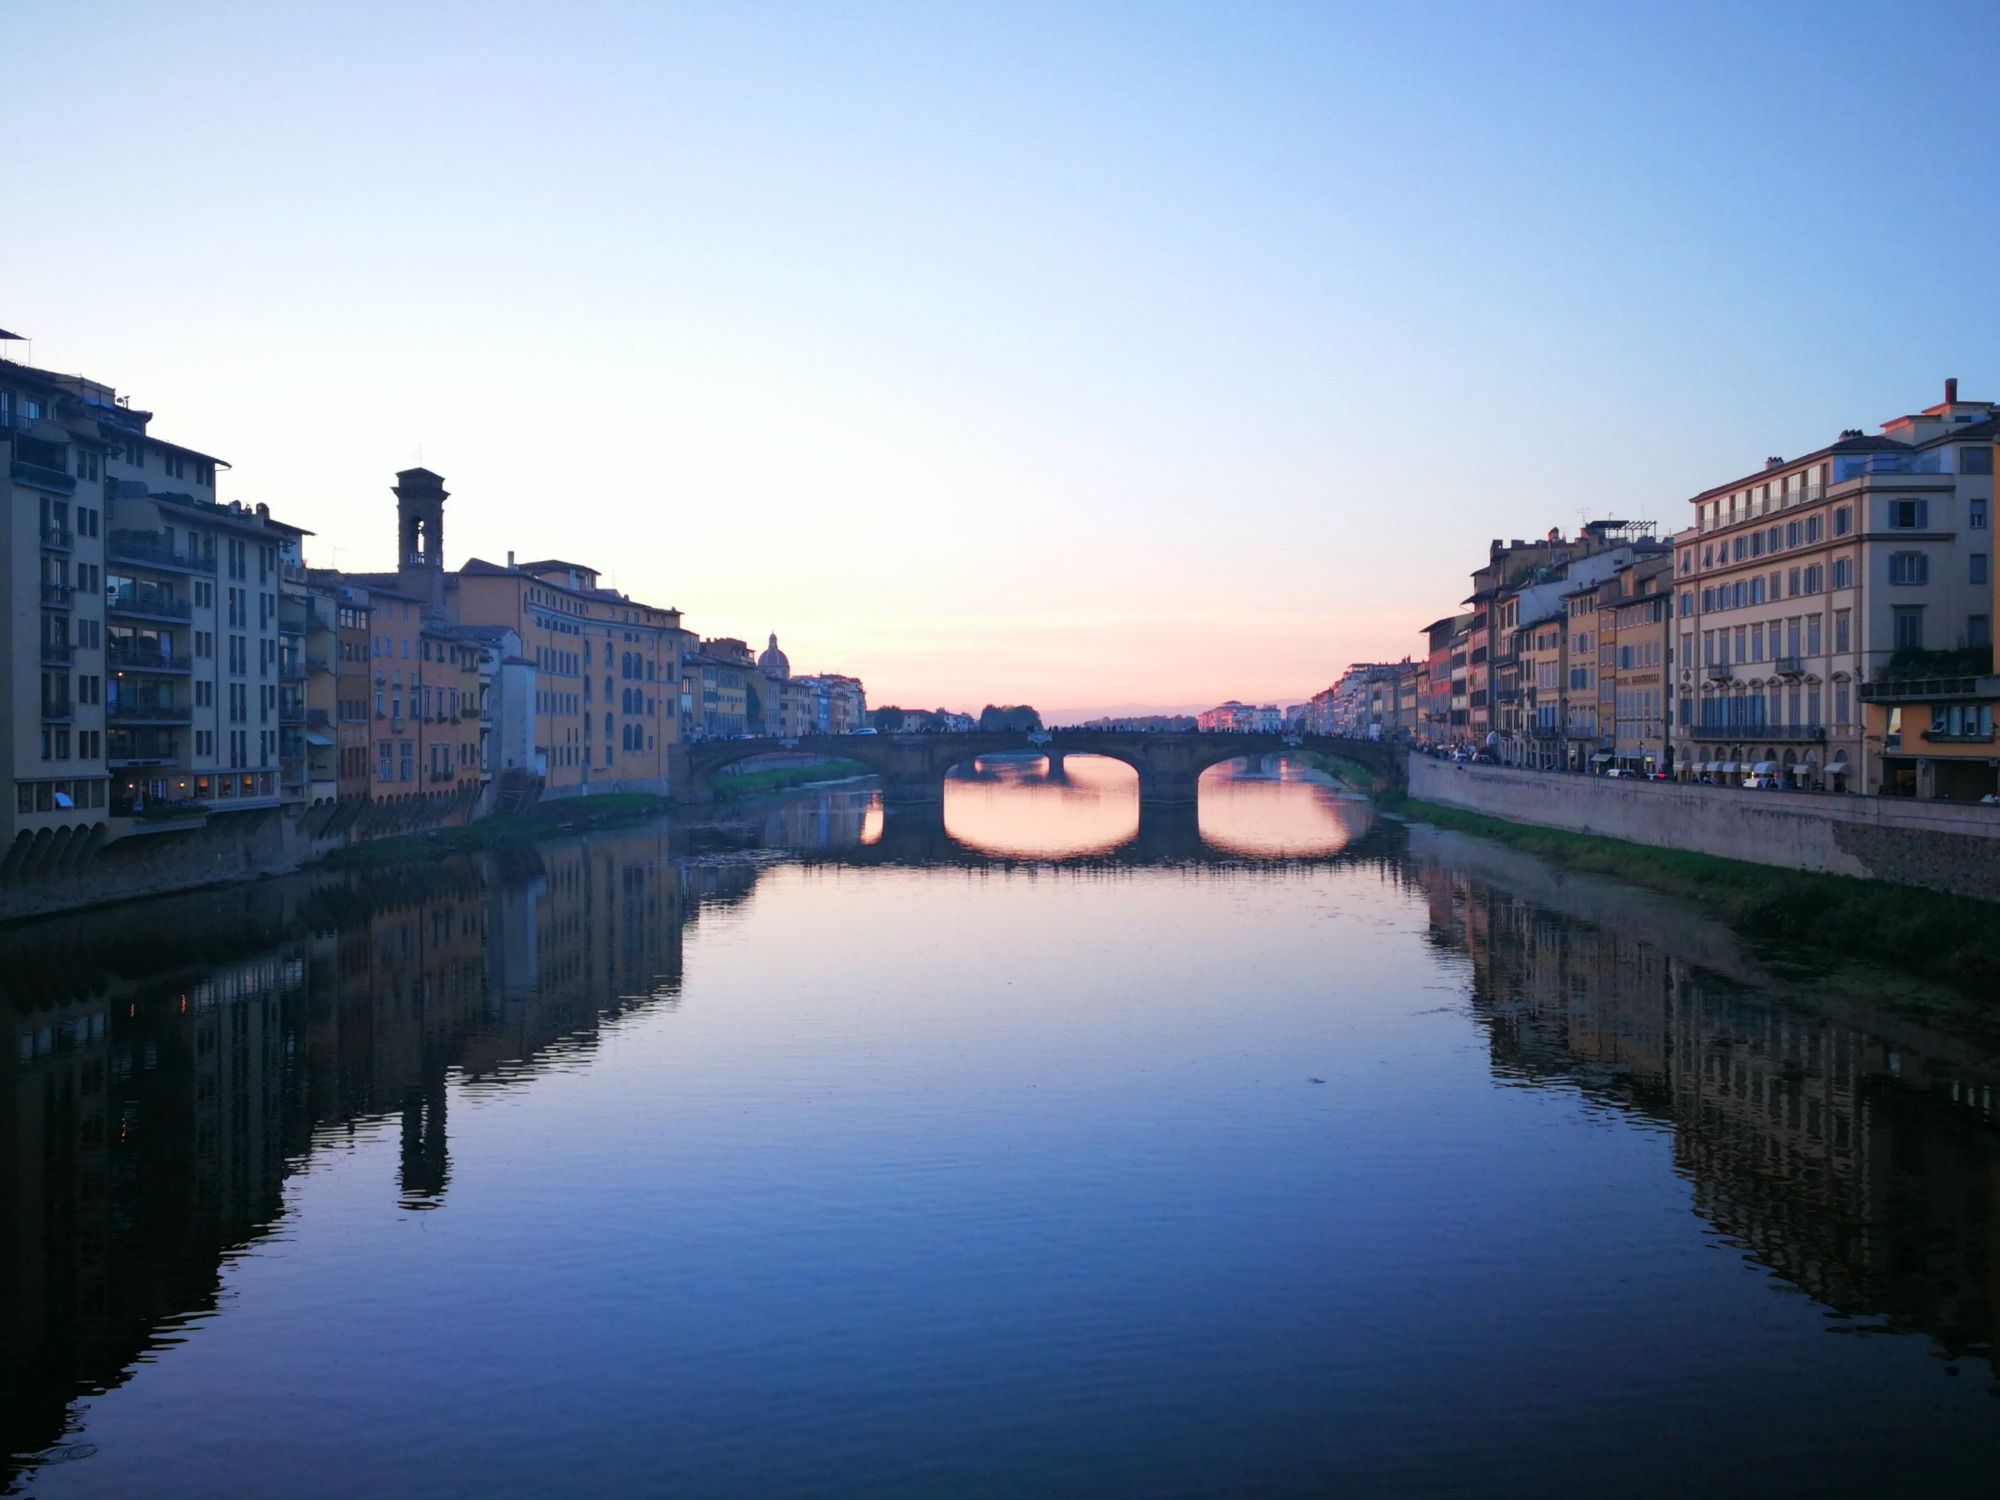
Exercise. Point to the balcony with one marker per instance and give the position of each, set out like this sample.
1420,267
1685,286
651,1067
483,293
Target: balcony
1962,737
1788,666
443,775
58,538
148,713
1719,671
291,669
1929,689
150,549
125,659
57,710
317,664
1545,731
42,477
146,604
58,595
1769,734
317,718
57,653
291,713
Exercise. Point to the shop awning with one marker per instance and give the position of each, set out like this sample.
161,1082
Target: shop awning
1600,757
1727,765
314,737
1765,767
1838,765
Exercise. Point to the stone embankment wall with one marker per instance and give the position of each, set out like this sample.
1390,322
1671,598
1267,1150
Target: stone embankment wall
1939,845
235,846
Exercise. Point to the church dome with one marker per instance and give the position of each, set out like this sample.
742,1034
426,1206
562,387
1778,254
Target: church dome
774,663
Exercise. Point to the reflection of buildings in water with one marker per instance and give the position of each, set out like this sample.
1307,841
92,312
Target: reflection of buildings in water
151,1117
1845,1165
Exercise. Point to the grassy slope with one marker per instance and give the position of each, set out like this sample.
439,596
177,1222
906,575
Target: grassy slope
544,820
1953,940
744,783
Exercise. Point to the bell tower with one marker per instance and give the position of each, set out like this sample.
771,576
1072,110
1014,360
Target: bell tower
420,497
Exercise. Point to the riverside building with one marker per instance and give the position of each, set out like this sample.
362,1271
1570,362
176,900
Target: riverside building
141,669
1799,584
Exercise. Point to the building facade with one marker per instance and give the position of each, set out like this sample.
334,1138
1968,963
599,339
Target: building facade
1800,584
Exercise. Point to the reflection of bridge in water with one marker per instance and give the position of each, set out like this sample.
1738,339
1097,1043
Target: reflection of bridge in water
1167,835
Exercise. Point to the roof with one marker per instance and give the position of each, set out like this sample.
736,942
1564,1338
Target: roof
1861,444
556,562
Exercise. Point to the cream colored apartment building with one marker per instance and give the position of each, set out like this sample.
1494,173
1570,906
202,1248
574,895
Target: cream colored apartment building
1801,582
141,661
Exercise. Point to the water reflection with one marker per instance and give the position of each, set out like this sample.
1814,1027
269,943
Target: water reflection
1012,806
1017,808
166,1073
170,1077
1847,1146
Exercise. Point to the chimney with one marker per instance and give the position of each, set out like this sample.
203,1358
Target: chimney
510,557
1774,462
1950,390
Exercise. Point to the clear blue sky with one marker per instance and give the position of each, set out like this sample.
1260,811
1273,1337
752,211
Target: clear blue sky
1086,355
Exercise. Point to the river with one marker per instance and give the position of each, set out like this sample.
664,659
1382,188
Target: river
1032,1147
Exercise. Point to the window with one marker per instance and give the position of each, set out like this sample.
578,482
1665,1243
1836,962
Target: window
1843,572
1975,460
1908,515
1909,567
1978,574
1975,513
1909,626
1978,630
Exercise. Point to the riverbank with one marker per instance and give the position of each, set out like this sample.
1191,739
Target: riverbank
545,820
737,784
1949,940
1950,848
1350,772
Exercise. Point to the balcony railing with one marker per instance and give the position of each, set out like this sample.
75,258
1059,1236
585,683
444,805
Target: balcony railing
57,653
317,718
443,775
127,660
1788,666
150,549
42,477
58,595
1770,734
291,669
1545,731
148,713
57,710
1719,671
148,605
1959,737
58,538
1921,689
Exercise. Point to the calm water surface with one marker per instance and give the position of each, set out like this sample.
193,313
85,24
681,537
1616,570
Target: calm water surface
1034,1146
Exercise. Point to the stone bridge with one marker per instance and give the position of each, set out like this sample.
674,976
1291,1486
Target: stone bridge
913,766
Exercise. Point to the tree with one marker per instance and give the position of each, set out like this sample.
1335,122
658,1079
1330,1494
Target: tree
1016,718
887,720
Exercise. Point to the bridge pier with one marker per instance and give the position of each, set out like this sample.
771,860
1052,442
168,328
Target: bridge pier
913,789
